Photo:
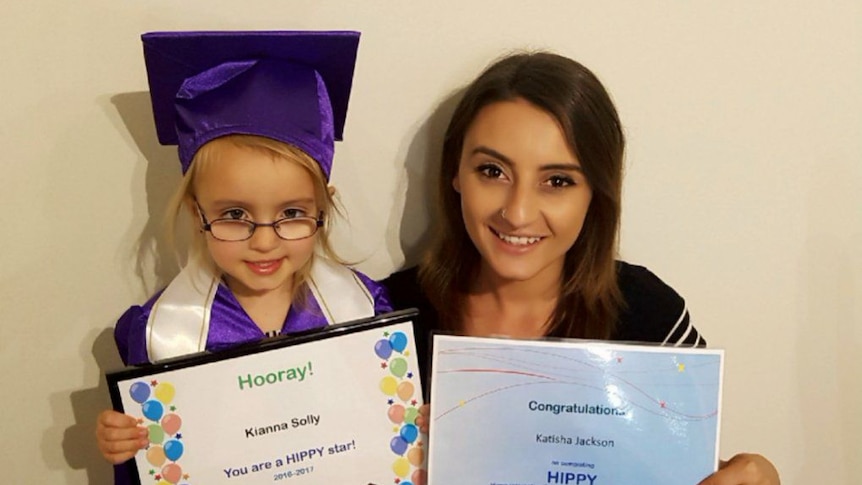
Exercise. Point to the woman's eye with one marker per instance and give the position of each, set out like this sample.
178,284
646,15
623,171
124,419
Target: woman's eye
233,214
293,213
559,181
491,171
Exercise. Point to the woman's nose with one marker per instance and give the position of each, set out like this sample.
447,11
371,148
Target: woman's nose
521,206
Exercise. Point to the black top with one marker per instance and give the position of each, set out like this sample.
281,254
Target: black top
653,311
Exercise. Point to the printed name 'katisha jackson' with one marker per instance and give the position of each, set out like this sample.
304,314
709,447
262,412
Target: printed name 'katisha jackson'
576,441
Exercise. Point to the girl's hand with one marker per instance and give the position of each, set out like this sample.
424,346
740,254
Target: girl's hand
118,436
424,418
744,469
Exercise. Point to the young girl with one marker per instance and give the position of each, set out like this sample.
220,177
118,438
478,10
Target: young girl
529,203
252,116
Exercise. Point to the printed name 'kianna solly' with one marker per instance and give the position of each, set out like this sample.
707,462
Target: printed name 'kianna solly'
310,420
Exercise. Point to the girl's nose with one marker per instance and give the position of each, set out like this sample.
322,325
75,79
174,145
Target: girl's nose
264,239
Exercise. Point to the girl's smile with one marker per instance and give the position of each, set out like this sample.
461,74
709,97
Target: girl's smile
264,268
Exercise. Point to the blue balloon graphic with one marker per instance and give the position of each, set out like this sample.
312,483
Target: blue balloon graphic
153,410
398,445
383,349
406,483
409,433
398,341
140,392
173,450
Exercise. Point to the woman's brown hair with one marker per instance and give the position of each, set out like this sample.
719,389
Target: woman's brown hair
590,299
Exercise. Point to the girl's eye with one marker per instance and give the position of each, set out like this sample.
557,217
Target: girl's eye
233,214
490,170
560,181
293,213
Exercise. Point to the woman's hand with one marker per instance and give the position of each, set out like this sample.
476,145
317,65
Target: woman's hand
744,469
424,418
118,436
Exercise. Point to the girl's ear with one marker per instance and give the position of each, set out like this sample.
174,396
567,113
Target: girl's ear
456,184
331,189
190,205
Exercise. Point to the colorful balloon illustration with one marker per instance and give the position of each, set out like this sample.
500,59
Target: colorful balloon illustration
398,341
401,467
398,367
140,392
416,456
164,392
173,450
388,385
396,413
420,477
163,482
156,434
156,456
172,473
410,415
398,446
171,423
383,349
153,410
409,433
405,390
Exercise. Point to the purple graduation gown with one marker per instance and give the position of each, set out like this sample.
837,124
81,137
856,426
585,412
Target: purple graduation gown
229,323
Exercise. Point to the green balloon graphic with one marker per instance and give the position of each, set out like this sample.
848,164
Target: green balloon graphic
398,367
410,415
157,434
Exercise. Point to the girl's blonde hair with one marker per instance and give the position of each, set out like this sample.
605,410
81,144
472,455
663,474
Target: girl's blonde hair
207,156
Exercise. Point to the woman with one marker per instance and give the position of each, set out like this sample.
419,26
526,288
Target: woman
529,206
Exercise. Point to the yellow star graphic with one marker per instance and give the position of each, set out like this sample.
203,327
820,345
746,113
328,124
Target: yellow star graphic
680,367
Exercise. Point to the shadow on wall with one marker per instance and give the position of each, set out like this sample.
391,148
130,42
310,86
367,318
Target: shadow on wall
152,256
419,182
79,442
827,357
153,253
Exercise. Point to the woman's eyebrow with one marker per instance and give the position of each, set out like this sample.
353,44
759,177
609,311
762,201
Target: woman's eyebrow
562,166
481,149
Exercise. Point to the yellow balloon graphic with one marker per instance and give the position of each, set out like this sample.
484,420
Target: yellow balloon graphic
416,456
164,392
156,456
401,467
388,385
405,390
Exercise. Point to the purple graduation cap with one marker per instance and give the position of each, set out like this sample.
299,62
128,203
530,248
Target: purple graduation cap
289,86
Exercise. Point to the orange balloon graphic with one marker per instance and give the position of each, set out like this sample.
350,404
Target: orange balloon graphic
405,390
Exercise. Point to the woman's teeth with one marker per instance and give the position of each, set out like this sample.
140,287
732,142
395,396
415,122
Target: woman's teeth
518,240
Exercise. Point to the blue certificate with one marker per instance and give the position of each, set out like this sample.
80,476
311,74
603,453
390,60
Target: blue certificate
516,412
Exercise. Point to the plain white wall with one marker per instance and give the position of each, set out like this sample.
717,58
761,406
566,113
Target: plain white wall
744,166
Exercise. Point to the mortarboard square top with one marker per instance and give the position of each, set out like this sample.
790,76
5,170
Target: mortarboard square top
292,86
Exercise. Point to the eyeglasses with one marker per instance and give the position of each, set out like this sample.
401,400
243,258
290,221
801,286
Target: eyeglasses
234,230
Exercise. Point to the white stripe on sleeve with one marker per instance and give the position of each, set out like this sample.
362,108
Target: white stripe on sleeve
681,318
